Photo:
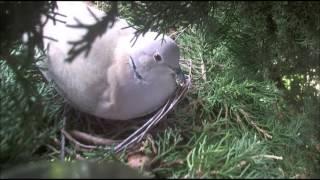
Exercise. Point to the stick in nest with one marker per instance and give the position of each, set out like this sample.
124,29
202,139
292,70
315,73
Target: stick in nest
138,135
92,139
62,146
67,135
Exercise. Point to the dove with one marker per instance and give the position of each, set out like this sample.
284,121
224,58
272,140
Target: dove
118,79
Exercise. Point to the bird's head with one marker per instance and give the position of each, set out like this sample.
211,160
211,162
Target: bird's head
160,54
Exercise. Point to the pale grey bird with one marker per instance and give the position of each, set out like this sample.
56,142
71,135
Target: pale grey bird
116,80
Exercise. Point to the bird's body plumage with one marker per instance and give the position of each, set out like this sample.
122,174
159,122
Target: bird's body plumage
116,80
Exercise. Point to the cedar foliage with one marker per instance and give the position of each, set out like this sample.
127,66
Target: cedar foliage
255,88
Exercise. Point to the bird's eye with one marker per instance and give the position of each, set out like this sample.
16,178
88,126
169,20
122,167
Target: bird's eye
157,57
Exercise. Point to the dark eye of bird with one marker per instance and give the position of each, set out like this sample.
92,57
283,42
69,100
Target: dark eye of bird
157,57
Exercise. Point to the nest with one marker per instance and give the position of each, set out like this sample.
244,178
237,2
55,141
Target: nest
89,132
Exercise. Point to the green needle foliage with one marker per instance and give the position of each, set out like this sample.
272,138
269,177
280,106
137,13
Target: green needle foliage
234,125
27,120
252,111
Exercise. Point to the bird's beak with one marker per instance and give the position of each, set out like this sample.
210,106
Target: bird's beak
180,78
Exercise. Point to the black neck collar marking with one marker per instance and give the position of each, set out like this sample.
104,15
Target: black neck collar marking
135,69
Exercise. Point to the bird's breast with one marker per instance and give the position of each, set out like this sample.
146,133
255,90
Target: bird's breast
140,97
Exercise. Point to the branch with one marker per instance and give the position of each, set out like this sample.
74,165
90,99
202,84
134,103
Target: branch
95,30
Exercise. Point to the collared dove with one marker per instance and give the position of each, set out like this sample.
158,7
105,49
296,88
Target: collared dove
118,79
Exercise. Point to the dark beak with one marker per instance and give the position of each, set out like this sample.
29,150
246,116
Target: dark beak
180,78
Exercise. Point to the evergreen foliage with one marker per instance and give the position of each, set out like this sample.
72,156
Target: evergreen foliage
253,110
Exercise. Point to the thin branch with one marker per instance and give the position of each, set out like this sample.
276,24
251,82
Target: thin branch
62,146
92,139
139,134
247,118
269,156
95,30
57,142
77,142
203,70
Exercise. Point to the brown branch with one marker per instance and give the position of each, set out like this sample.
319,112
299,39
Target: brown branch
57,142
92,139
247,118
68,136
203,70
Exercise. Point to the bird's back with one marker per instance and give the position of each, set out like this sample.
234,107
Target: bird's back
100,83
82,80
